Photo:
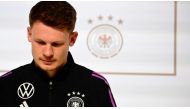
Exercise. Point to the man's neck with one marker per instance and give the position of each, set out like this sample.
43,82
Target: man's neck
51,74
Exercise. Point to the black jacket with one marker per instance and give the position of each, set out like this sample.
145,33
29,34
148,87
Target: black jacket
73,85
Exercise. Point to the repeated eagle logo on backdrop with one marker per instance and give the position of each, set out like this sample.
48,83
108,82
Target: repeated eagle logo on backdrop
104,38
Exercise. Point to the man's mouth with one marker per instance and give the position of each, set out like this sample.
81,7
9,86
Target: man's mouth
47,62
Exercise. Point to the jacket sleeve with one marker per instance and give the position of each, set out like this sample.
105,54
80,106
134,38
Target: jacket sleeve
103,92
109,100
2,99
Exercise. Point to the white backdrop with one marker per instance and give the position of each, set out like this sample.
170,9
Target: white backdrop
147,30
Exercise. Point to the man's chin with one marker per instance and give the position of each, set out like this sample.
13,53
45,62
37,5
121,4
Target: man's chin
48,68
50,71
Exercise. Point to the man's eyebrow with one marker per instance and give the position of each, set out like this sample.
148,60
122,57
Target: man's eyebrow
58,42
39,40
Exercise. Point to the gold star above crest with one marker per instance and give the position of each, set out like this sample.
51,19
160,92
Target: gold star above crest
90,21
110,17
120,21
100,17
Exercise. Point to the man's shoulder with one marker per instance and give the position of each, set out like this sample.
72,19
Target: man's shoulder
14,73
22,68
91,76
80,68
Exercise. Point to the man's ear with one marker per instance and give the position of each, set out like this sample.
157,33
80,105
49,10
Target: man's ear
73,38
29,33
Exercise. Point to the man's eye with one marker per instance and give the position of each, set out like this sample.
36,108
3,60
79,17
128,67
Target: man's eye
56,44
41,42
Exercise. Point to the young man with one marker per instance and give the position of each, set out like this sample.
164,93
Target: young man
53,79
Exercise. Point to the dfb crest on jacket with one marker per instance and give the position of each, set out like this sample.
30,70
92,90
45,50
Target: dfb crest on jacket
75,99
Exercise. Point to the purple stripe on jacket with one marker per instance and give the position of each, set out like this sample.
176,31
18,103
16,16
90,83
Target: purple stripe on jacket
96,75
112,99
6,74
100,77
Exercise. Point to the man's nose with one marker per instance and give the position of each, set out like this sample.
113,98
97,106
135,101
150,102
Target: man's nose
48,53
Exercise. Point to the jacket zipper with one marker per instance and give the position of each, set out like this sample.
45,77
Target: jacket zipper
50,92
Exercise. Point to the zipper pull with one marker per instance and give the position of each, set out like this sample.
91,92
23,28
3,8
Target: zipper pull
50,85
50,93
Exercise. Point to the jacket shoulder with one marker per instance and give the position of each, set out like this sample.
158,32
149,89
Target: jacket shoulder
14,73
97,86
90,76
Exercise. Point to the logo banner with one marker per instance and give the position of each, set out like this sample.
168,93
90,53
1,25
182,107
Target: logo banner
127,37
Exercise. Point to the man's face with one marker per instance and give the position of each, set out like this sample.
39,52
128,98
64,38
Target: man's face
50,46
